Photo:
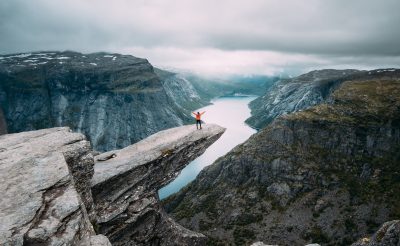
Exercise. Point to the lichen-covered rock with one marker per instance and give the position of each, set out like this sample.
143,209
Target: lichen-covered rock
387,235
40,203
125,186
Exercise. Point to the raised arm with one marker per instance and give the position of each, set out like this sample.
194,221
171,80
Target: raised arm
203,112
194,113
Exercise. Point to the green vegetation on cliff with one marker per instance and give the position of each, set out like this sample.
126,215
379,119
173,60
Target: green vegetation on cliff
329,174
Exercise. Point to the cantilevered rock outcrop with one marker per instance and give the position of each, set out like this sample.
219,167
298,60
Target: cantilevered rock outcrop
125,185
48,178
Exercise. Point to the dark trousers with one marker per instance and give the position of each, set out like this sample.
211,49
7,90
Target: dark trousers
198,122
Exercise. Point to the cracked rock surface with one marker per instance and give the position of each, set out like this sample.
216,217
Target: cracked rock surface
48,178
40,204
125,187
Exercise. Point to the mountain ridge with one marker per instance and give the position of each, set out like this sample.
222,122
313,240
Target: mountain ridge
113,99
327,174
294,94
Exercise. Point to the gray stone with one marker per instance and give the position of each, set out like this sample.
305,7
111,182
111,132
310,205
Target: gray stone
96,240
387,235
309,172
115,100
125,187
40,203
299,93
181,91
279,189
3,124
320,205
47,182
262,244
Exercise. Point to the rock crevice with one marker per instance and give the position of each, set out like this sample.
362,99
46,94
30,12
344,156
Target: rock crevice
56,193
125,187
40,203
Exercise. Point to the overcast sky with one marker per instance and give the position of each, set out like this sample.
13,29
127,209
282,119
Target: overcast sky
213,36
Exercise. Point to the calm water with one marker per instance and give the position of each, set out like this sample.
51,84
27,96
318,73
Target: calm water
229,112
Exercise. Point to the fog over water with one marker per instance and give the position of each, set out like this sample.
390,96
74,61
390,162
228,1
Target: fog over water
229,112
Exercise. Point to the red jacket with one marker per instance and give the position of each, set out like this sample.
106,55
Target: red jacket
198,116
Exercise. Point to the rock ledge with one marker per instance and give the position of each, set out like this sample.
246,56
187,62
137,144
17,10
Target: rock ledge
56,193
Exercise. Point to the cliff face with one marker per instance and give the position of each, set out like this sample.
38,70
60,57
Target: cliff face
125,186
182,92
328,174
3,124
291,95
113,99
41,203
387,235
56,193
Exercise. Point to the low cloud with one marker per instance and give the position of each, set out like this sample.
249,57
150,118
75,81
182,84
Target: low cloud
252,36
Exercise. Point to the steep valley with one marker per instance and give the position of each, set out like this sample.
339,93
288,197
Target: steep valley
114,99
328,174
323,168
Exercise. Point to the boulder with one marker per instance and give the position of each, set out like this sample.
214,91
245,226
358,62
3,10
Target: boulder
41,202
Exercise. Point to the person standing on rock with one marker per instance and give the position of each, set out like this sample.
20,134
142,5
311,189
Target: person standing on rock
198,119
